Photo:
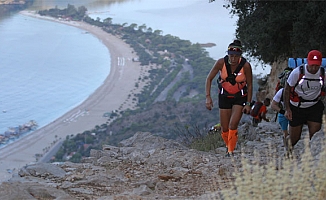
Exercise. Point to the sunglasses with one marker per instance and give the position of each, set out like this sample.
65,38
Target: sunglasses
237,49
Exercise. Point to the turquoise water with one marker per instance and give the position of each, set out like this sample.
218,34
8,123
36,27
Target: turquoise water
194,20
46,69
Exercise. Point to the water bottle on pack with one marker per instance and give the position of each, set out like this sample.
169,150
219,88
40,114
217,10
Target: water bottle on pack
295,62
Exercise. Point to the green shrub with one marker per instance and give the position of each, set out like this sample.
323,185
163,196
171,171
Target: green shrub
201,139
207,143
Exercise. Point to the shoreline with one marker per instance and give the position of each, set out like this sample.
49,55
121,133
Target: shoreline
114,94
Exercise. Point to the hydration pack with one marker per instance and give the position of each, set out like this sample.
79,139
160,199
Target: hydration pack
231,79
255,109
283,77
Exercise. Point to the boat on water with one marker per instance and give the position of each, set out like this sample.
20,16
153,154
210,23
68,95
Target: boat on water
14,133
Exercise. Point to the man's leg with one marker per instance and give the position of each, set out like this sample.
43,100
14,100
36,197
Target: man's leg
315,118
295,134
313,128
299,118
292,139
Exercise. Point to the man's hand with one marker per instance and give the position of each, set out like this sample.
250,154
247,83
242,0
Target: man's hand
288,114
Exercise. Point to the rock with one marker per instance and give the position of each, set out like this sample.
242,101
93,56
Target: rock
30,190
42,169
143,190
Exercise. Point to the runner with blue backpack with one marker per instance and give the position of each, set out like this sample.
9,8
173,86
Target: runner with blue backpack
302,98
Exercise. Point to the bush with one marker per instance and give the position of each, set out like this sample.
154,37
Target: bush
287,179
194,137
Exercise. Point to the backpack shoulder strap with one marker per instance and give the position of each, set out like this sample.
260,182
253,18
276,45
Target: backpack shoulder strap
227,65
239,67
322,73
241,64
300,75
301,70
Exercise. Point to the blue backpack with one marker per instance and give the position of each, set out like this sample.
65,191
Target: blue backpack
296,62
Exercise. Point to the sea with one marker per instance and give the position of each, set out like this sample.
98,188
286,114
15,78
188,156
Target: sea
48,68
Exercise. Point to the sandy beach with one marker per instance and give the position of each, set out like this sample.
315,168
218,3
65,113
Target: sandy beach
113,94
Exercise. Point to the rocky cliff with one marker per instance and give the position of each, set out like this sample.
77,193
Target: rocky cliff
276,69
267,86
149,167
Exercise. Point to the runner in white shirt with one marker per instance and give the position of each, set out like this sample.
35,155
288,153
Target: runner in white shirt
302,98
278,105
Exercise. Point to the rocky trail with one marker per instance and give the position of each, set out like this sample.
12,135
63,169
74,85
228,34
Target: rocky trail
149,167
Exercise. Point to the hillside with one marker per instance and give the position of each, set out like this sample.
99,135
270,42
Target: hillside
174,96
150,167
11,6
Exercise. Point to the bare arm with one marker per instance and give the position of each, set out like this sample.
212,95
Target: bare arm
263,116
286,96
248,73
275,106
216,68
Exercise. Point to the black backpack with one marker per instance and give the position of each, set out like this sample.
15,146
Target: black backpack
283,77
255,109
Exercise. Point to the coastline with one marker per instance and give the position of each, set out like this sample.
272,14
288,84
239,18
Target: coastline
114,94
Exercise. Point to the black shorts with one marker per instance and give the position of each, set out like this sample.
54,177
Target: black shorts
302,115
225,102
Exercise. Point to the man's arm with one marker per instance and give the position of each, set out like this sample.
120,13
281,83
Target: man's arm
275,106
263,114
286,96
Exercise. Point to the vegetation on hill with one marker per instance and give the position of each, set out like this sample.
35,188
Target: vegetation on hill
276,30
14,6
70,12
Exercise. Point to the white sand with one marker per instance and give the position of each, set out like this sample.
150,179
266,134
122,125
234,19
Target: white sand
111,95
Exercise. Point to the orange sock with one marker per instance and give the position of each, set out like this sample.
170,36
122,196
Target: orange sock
232,139
225,136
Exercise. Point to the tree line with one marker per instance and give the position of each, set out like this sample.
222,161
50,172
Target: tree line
273,31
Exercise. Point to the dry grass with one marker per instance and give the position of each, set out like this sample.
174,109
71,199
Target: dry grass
303,178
